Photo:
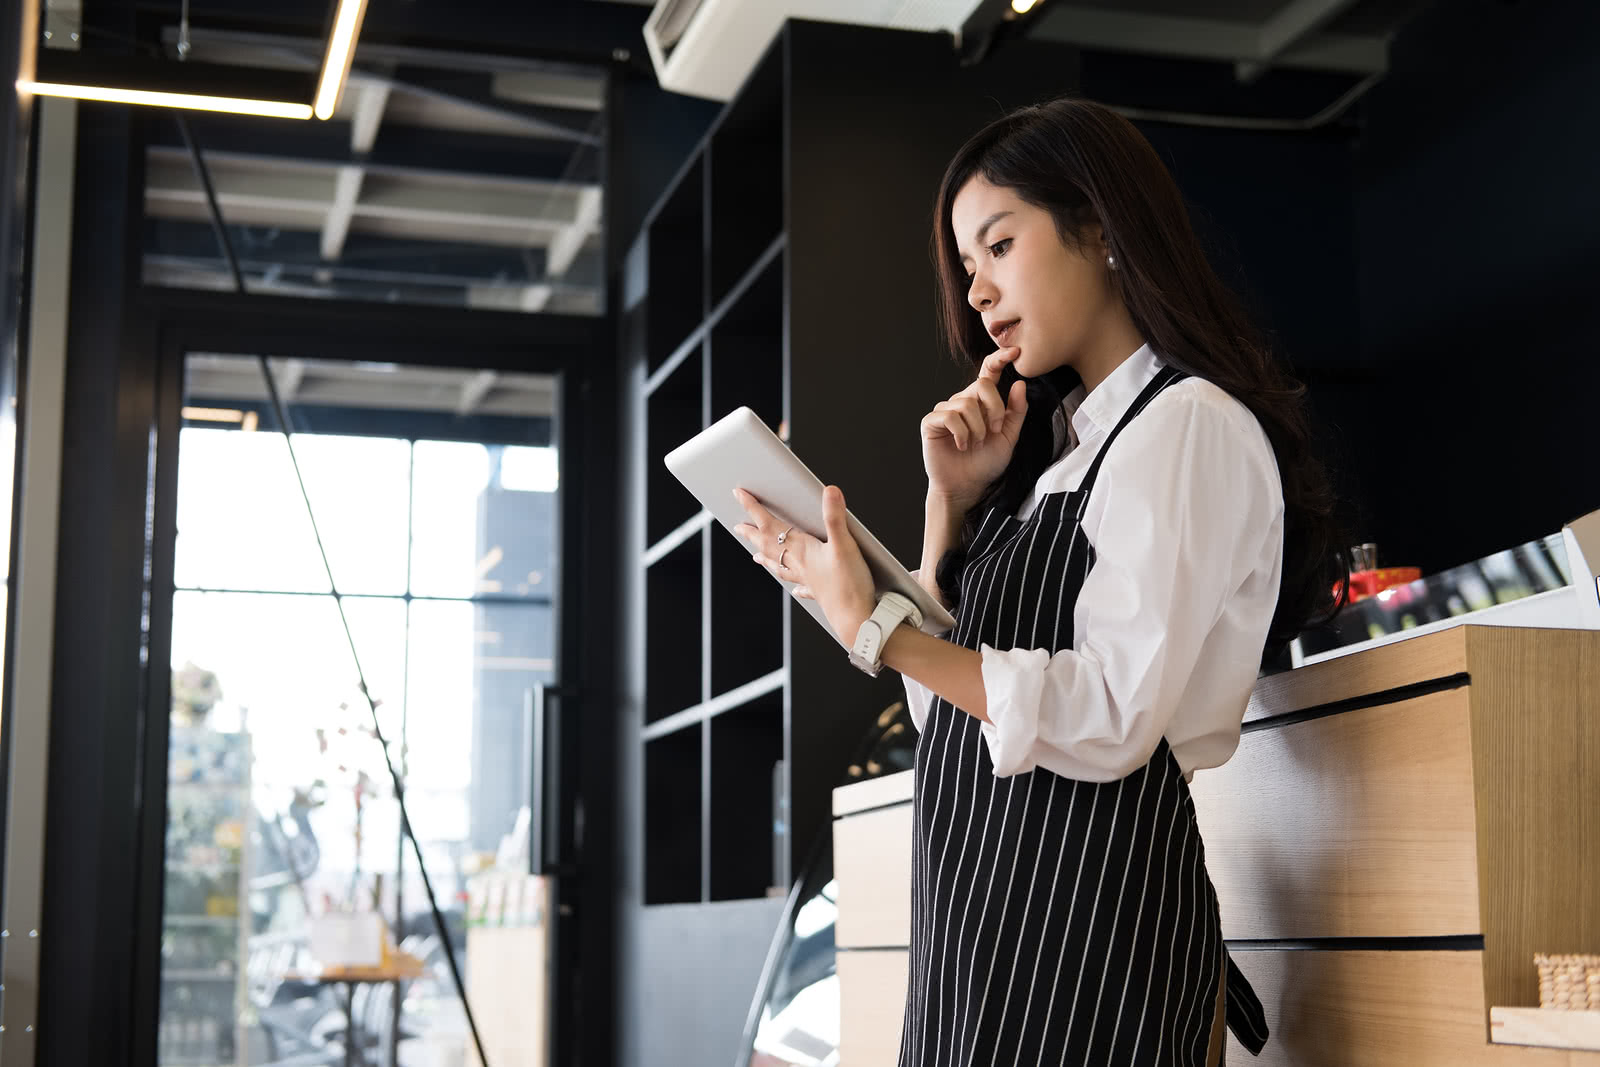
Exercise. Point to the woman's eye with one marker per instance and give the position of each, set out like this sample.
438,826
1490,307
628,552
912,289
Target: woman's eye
1000,248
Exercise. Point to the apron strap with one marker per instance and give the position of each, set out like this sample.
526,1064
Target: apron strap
1245,1016
1165,377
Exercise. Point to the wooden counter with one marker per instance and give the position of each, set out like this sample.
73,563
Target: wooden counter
508,981
1397,835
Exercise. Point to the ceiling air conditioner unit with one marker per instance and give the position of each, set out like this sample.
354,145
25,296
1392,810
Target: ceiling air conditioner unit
708,47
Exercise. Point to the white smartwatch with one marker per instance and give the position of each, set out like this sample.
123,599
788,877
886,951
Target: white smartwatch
892,610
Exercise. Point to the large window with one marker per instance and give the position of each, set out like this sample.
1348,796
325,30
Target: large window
281,805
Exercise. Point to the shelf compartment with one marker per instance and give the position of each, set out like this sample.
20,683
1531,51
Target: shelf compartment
676,241
747,610
746,349
674,609
664,547
674,413
749,831
673,841
747,176
734,698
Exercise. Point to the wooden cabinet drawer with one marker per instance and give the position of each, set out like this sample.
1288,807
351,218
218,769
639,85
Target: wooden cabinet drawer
1358,824
872,1000
1365,1009
872,862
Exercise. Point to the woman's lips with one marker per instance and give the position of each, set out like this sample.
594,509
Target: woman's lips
1005,336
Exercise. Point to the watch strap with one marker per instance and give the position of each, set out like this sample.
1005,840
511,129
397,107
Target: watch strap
891,611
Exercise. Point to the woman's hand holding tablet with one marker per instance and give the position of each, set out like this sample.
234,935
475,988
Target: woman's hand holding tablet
829,571
741,453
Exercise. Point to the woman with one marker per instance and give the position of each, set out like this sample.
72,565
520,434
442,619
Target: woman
1124,512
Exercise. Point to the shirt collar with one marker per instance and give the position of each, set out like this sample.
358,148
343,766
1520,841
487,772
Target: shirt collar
1100,411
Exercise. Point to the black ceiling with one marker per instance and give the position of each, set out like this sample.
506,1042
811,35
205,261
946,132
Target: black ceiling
580,31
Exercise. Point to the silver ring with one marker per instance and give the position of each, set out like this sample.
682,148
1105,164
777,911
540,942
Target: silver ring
785,535
781,565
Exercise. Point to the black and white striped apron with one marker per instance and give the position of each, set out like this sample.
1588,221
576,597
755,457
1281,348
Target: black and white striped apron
1055,921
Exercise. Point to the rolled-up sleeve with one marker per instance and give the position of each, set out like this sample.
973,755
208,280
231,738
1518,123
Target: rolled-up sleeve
918,700
918,697
1182,504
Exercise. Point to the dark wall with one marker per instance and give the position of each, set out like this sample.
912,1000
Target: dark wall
1276,214
1480,261
652,133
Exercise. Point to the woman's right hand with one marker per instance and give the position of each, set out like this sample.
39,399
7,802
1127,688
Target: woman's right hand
967,440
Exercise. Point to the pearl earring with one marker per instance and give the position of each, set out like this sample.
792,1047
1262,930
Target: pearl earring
1111,261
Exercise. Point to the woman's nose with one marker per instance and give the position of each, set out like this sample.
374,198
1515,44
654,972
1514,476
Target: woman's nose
981,294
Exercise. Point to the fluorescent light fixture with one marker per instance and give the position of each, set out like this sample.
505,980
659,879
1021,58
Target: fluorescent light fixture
129,80
1022,7
341,51
151,82
275,109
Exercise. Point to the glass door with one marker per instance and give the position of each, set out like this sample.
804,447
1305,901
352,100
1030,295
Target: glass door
296,924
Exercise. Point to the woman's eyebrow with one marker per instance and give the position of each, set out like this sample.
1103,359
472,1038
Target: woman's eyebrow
983,231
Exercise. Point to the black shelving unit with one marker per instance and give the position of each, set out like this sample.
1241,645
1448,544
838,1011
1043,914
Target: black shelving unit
676,413
786,268
677,262
746,344
673,585
746,782
672,787
744,196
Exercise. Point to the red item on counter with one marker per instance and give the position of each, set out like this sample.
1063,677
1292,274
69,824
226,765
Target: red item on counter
1364,584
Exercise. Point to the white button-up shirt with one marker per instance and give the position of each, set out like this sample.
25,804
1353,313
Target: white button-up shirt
1186,519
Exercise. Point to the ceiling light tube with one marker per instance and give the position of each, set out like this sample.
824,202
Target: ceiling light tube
276,109
1022,7
341,51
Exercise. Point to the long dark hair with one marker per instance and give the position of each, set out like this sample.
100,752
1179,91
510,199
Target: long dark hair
1087,165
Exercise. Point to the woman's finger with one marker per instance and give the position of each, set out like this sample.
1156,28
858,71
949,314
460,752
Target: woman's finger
833,515
1016,408
788,554
770,564
971,413
956,427
993,365
945,424
988,396
752,507
750,535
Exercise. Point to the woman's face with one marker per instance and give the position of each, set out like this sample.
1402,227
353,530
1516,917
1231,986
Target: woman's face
1033,291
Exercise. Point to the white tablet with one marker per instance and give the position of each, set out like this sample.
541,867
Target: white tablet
741,452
